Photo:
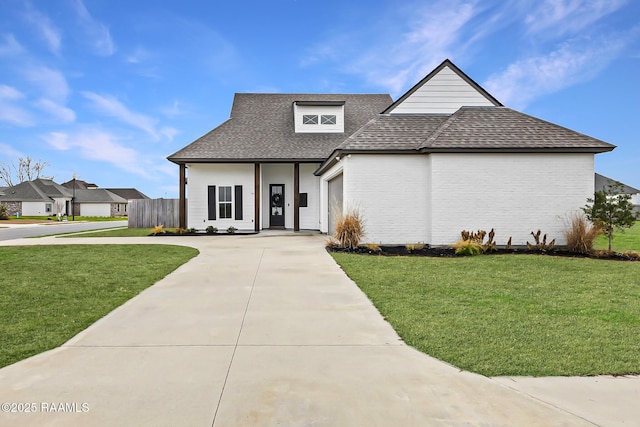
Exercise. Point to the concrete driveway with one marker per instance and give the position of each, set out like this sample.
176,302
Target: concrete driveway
262,331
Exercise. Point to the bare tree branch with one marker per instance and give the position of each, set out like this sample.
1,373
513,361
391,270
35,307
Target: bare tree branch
27,170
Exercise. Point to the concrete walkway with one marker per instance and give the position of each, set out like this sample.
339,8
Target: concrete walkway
267,331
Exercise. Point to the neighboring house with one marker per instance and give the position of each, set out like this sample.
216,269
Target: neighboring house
105,202
603,183
128,194
99,202
445,157
40,197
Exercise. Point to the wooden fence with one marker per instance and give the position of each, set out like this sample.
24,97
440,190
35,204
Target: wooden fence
147,213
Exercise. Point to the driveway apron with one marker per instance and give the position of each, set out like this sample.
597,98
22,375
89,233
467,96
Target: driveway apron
254,331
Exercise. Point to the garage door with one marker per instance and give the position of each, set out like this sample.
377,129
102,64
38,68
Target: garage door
335,202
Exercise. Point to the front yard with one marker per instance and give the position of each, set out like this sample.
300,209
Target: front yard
510,314
50,293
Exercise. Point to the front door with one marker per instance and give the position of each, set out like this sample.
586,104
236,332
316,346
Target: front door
276,214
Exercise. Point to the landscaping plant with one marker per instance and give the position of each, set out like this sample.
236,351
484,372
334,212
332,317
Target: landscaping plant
349,229
611,209
581,233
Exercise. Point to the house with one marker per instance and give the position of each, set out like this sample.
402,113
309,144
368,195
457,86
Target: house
444,157
90,200
603,183
40,197
99,202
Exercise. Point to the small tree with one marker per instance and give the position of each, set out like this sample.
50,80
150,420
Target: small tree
610,209
26,170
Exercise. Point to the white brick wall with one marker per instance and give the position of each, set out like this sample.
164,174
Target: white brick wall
310,184
513,193
200,176
391,192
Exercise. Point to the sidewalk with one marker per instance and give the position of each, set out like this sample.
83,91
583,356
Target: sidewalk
262,331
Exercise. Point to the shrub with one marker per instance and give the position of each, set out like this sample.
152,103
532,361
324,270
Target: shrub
211,230
349,229
181,231
581,233
158,229
373,247
414,247
3,212
192,230
468,247
541,245
231,230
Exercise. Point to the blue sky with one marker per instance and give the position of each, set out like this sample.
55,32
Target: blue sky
107,89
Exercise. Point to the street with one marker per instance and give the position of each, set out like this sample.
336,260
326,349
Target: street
14,231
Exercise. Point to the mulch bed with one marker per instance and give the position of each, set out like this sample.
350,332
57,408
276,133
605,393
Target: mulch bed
450,253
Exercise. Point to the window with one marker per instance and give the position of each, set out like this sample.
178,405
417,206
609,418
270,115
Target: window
48,207
302,200
310,119
328,119
224,203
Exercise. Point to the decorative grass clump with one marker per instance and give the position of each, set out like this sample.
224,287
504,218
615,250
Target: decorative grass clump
581,234
468,247
349,229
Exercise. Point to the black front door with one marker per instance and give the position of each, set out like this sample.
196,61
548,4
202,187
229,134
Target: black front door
276,214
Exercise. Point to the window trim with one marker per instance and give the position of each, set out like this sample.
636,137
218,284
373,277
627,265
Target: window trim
227,204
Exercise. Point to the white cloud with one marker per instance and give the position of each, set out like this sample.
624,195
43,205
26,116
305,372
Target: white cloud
44,27
174,110
9,92
530,78
51,83
114,108
9,152
99,145
9,111
10,46
557,17
98,34
435,32
169,132
60,112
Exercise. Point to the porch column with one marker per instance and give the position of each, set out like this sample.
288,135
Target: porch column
182,204
296,197
256,192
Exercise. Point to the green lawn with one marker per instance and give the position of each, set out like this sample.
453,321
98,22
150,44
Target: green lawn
626,240
510,314
50,293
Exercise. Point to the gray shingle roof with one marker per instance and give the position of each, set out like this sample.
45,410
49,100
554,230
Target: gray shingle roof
261,127
128,193
393,133
602,182
97,195
38,190
500,128
468,129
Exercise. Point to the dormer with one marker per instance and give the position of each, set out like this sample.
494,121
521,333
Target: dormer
318,116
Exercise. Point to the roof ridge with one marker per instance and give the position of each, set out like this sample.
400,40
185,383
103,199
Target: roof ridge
436,133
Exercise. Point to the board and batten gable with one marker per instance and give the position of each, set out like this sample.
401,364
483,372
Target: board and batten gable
202,176
444,92
514,193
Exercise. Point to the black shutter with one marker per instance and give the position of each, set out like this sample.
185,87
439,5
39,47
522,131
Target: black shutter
238,201
212,202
